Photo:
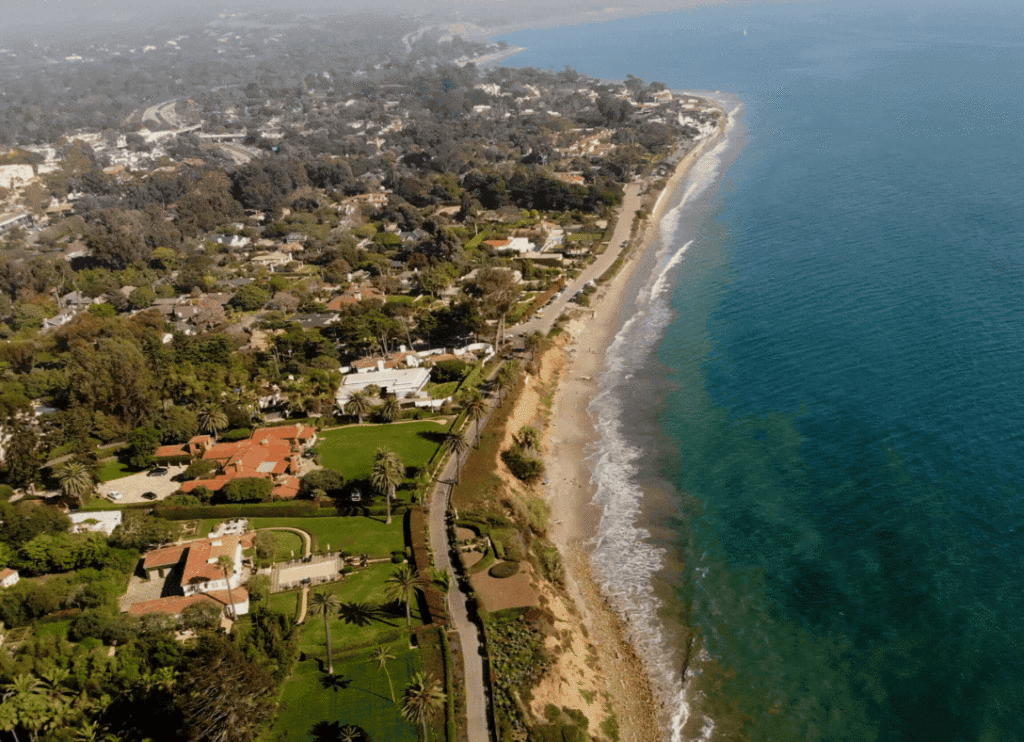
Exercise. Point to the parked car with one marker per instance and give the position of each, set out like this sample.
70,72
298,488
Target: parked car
150,495
114,495
158,472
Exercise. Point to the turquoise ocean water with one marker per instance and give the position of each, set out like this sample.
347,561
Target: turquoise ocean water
812,420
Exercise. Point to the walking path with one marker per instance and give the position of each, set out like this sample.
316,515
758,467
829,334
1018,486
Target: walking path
304,606
307,540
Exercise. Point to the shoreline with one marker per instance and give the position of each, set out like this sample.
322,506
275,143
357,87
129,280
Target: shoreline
640,702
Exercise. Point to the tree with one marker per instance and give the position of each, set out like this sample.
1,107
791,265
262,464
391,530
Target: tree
247,489
227,566
325,604
456,444
211,419
380,656
358,404
223,696
402,586
391,410
143,443
476,408
75,481
250,297
423,699
387,474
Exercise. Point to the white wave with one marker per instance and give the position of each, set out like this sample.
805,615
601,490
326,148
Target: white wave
626,562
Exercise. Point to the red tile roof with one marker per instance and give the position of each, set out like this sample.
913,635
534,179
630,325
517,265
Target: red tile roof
176,604
164,557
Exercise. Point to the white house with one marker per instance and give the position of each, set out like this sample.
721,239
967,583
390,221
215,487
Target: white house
8,577
402,382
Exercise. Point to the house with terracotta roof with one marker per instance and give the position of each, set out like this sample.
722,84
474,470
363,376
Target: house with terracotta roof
9,577
193,573
355,294
270,453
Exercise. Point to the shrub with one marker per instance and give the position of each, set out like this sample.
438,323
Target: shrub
503,570
198,469
445,371
523,467
238,434
247,489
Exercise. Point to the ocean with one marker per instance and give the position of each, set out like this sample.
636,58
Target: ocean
812,417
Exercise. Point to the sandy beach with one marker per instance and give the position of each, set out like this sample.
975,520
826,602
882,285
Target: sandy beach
568,441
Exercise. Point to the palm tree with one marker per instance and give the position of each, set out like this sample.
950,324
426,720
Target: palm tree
326,604
387,474
528,437
380,656
402,586
358,404
455,443
227,565
476,408
423,698
502,383
21,692
75,480
391,410
211,419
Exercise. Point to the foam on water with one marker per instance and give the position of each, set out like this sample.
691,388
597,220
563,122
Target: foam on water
625,561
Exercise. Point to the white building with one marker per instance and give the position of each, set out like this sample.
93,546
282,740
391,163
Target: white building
402,382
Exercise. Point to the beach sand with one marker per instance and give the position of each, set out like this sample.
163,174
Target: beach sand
568,440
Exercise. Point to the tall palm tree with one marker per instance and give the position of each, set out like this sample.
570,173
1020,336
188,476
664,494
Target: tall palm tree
21,705
380,656
456,444
75,480
227,565
391,410
423,699
211,418
325,604
476,408
402,586
502,383
358,404
387,474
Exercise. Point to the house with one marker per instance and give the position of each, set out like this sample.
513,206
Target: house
272,260
270,453
355,294
402,382
232,240
511,244
97,521
194,573
9,577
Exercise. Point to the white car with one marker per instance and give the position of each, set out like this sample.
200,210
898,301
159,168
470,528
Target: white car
114,495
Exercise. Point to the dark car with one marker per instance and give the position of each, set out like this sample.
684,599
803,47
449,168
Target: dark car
150,495
158,472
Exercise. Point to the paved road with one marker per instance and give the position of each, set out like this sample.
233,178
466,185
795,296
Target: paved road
631,201
477,699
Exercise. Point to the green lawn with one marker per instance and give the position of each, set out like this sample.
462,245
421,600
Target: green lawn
361,697
286,545
114,469
350,450
363,588
355,534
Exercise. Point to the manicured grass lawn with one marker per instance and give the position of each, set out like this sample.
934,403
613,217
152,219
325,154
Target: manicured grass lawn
286,545
350,450
114,469
286,603
364,588
355,534
361,697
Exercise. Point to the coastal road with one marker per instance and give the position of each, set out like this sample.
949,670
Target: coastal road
469,636
631,201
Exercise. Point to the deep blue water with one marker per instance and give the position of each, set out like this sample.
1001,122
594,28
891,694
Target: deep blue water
838,407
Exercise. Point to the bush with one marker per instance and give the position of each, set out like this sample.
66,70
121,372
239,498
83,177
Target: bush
445,371
198,469
523,467
247,489
238,434
503,570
